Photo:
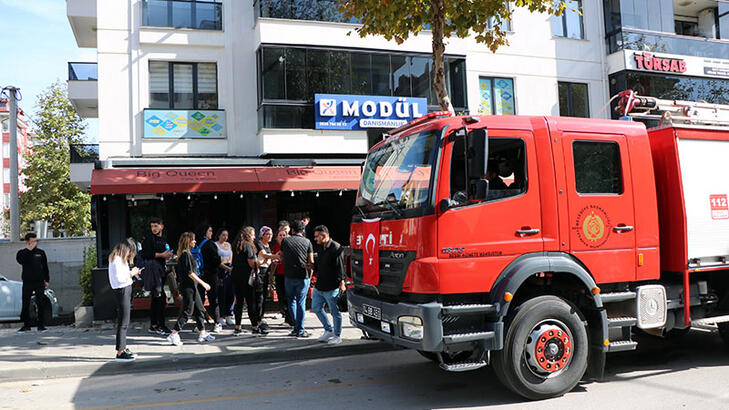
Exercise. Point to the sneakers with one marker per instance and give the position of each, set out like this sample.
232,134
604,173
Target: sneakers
125,356
24,329
294,333
130,352
263,325
335,340
164,330
325,337
303,334
237,332
259,331
42,329
207,337
154,330
217,328
174,339
230,321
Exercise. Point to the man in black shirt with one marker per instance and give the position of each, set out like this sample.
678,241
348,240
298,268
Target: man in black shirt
329,284
35,280
156,253
298,255
211,266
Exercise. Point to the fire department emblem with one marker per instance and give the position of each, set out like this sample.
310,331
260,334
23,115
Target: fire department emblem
592,226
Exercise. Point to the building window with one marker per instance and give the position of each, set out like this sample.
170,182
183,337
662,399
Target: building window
183,86
597,167
290,76
496,96
199,14
569,24
573,101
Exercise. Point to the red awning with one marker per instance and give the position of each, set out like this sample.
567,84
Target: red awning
162,180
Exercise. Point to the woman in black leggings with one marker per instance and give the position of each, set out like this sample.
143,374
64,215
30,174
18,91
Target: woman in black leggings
246,282
120,278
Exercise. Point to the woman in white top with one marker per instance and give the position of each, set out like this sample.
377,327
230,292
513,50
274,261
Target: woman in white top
120,278
225,291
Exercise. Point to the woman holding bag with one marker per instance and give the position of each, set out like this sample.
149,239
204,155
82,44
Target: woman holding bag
264,259
246,281
120,278
189,280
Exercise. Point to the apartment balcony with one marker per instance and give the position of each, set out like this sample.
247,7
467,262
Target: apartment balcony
660,42
82,17
198,15
83,158
319,10
83,88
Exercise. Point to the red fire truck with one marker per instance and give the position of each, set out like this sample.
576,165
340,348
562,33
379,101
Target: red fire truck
540,244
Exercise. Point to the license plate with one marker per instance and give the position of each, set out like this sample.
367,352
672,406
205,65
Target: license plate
372,311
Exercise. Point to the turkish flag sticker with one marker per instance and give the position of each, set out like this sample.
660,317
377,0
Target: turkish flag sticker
371,251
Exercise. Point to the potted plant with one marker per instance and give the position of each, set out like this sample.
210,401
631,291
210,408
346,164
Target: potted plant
84,313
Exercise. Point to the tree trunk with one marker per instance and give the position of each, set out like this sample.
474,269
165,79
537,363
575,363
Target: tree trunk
439,83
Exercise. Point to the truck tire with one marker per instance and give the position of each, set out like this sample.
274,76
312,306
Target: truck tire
545,349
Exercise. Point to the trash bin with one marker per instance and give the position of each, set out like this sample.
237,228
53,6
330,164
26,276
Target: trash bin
104,304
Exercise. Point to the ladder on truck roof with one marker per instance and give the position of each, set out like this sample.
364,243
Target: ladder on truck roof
673,112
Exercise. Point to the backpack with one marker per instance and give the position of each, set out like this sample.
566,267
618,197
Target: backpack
197,254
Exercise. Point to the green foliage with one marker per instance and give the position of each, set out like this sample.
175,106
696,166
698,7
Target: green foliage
87,289
50,195
398,19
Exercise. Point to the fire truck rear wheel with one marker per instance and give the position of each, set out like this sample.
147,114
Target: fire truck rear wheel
545,349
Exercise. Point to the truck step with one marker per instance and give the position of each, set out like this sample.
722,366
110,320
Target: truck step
468,337
463,366
622,321
466,309
617,297
710,320
622,345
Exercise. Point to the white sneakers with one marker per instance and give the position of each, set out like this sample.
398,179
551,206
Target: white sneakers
326,336
335,340
230,321
174,339
207,337
217,328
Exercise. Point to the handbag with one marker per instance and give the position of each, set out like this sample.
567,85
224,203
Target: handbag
342,301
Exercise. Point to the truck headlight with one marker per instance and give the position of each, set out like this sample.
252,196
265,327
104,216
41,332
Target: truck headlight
411,327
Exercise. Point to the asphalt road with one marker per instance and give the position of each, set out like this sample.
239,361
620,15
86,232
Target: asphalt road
692,373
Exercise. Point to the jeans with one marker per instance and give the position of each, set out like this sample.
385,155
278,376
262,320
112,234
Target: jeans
213,307
191,305
317,305
282,300
296,291
41,301
123,298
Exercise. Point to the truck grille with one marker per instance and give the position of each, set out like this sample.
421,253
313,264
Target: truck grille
393,267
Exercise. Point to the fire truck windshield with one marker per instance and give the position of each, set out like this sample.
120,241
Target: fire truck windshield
400,170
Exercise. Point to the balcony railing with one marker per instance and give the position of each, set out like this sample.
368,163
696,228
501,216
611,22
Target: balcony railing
318,10
83,72
84,153
634,39
201,15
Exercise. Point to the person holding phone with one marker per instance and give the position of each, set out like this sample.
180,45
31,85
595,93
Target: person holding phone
120,279
191,300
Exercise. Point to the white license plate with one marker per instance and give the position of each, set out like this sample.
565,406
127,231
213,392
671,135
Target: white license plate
371,311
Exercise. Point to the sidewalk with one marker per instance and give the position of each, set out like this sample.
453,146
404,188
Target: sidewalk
65,351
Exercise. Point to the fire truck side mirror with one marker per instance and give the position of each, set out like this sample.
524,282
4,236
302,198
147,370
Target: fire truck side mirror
477,146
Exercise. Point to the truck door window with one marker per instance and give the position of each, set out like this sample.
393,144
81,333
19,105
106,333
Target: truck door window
506,171
597,167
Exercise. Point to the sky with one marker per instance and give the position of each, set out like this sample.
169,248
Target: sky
36,44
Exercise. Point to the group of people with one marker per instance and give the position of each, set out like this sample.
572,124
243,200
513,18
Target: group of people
233,276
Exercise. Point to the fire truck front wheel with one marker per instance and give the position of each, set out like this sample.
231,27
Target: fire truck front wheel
545,349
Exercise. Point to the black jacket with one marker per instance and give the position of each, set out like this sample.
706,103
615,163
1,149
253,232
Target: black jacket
185,266
329,266
211,258
35,265
155,272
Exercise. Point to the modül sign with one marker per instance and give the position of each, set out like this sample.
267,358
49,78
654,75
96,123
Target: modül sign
357,112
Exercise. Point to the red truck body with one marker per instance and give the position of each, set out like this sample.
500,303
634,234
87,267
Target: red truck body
579,226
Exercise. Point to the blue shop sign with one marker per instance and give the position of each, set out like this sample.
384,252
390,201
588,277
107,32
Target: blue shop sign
358,112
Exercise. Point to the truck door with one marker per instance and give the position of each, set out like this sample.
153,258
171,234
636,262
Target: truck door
600,204
478,237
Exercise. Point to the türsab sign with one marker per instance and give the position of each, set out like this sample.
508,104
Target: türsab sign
649,62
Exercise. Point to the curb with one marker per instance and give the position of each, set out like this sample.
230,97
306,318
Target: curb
184,362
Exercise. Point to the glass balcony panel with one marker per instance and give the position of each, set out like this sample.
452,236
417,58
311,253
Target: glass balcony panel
664,43
201,15
83,72
317,10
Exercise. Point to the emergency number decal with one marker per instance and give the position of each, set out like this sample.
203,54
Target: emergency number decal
593,226
719,207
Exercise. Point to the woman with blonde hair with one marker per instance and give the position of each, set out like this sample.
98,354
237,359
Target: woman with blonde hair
189,280
120,279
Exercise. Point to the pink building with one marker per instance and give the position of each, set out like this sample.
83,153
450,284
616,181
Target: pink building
25,137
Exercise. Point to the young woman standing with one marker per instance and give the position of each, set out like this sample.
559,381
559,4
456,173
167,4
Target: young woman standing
192,303
278,273
225,287
246,281
265,258
120,278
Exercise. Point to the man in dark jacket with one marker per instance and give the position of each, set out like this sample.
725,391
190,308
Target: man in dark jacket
330,282
211,265
156,253
298,256
35,280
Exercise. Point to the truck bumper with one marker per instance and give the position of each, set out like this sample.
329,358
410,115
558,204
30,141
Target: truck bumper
388,327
